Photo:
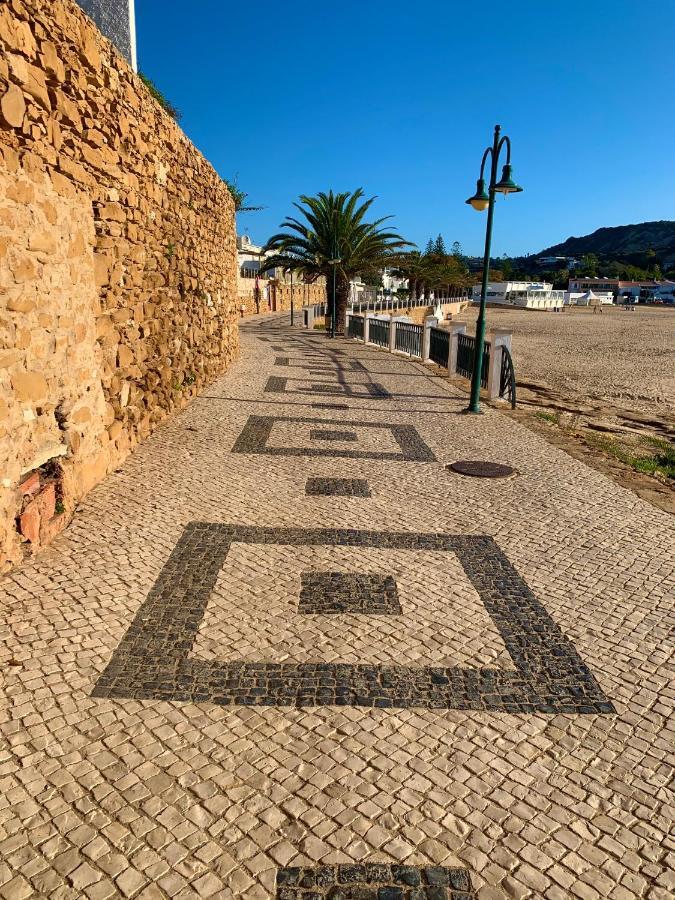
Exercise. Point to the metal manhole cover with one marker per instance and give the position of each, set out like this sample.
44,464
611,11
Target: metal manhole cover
480,469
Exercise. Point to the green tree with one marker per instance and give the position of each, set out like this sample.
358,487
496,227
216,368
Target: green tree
334,227
429,249
589,264
240,197
416,267
457,251
439,246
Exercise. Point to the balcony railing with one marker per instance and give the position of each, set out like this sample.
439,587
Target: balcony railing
439,346
466,348
409,338
378,332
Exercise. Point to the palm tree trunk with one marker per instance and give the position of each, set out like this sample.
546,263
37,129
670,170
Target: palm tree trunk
412,293
342,299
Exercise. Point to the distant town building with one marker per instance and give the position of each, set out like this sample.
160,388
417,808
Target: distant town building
557,262
116,20
645,291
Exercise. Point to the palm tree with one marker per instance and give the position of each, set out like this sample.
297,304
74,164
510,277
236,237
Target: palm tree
334,229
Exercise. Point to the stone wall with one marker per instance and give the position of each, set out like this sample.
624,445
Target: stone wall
118,272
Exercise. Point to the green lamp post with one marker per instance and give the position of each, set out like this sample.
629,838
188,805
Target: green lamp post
480,201
334,263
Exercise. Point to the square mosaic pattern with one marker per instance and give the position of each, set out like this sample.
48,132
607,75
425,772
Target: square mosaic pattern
373,881
322,364
256,433
152,661
278,385
318,434
337,487
341,592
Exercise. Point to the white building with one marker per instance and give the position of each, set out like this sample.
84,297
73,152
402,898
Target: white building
523,294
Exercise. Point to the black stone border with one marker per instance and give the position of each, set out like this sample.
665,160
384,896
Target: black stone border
373,881
256,433
152,660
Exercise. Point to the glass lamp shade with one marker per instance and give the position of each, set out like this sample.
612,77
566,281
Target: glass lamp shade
506,184
480,199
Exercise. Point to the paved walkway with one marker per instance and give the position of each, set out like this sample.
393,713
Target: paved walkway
284,653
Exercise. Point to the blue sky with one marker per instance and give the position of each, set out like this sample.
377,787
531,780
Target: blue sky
400,98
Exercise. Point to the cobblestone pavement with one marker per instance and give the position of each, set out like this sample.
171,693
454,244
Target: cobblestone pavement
284,653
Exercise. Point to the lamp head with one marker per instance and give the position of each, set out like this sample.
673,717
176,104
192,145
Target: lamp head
480,200
506,184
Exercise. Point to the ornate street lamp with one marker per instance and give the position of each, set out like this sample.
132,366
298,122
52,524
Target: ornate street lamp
480,201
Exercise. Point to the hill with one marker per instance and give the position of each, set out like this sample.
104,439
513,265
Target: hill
622,242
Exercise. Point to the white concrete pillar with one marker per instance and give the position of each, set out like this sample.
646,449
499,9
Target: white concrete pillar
453,341
429,323
498,338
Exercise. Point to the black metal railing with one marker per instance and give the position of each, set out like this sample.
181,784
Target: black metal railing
409,338
378,332
507,378
356,327
466,348
439,346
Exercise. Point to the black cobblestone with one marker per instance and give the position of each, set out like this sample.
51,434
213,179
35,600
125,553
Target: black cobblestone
343,592
329,406
153,658
337,487
279,385
320,434
378,881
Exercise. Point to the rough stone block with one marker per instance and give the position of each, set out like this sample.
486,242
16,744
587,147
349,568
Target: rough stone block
13,106
29,386
29,523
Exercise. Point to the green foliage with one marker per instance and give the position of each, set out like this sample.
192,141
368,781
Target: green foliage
170,250
240,197
439,246
432,271
507,268
155,92
546,417
649,463
457,251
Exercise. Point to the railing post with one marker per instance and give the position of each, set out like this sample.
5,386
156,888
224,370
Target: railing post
498,338
366,327
453,343
348,316
429,323
392,334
